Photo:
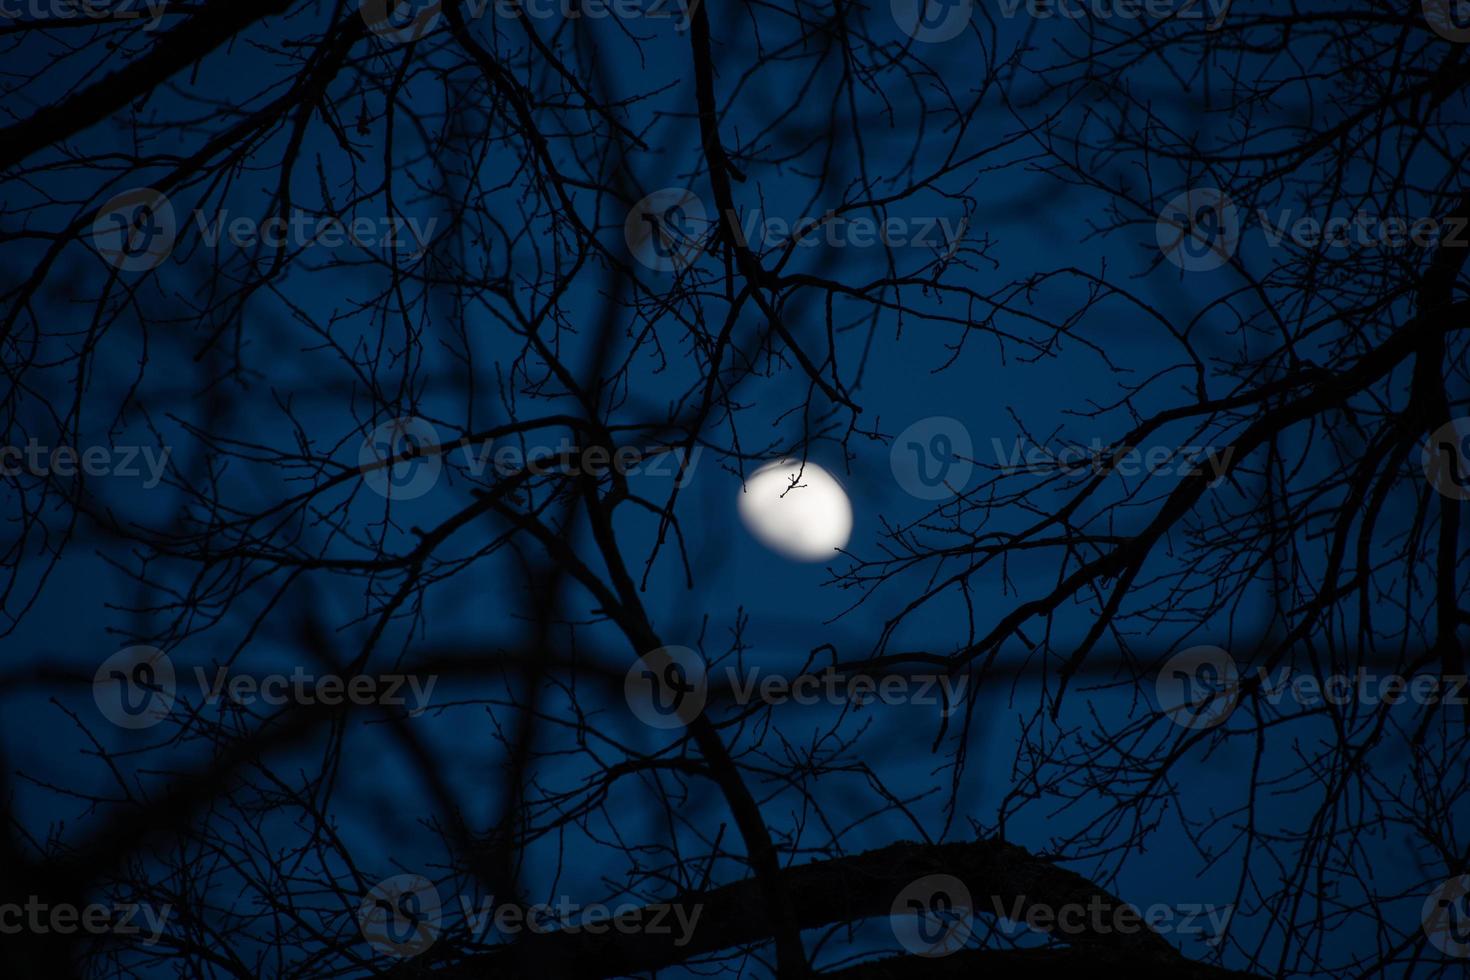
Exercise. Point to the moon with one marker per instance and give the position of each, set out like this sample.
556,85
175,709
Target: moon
808,522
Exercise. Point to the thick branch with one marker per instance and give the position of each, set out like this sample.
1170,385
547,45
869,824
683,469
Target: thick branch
217,23
850,889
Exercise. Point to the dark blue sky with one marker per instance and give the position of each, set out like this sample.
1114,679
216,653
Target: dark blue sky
1003,374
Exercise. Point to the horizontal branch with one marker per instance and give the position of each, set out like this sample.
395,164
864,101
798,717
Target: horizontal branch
849,890
1031,964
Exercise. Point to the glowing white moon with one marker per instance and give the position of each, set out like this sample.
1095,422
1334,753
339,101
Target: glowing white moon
808,522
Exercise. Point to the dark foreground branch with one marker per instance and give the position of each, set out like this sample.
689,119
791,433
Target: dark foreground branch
212,25
851,889
1036,964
